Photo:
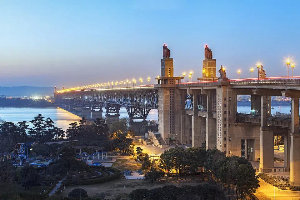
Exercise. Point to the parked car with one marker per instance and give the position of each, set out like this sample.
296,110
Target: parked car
97,164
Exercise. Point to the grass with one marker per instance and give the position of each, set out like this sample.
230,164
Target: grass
126,164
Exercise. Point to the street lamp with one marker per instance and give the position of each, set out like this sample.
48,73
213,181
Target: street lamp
141,81
191,75
127,81
288,63
293,66
252,70
258,65
133,82
183,74
239,72
148,79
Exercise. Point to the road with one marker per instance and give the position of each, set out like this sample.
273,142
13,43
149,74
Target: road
269,192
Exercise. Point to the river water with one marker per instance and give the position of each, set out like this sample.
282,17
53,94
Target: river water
63,118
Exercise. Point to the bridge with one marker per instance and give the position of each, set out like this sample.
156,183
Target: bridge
204,113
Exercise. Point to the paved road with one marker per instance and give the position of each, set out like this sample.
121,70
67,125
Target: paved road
56,187
269,192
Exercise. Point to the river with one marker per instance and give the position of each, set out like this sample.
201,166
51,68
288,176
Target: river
63,118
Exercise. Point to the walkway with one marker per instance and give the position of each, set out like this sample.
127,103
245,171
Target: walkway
56,187
267,191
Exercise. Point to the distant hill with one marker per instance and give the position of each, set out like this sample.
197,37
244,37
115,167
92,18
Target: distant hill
21,91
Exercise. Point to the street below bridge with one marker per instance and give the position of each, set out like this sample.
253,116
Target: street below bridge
267,191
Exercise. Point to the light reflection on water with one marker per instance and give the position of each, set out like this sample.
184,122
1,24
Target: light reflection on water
63,118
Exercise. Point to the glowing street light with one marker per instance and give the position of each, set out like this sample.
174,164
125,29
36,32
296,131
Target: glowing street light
288,63
204,73
148,79
239,72
191,76
293,65
133,82
127,81
252,70
141,81
183,74
258,65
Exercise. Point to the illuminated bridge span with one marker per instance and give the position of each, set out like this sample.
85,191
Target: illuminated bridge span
204,113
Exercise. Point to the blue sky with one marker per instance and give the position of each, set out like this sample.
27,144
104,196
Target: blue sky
71,43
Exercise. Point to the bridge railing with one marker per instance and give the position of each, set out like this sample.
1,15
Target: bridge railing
265,81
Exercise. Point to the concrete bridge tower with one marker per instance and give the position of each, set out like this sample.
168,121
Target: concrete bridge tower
169,99
209,65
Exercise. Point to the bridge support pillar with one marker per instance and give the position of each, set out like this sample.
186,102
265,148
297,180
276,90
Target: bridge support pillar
211,137
96,114
287,149
196,123
86,112
266,140
295,145
112,118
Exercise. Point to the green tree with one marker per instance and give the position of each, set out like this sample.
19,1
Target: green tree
138,194
174,158
121,125
29,177
78,193
146,163
154,175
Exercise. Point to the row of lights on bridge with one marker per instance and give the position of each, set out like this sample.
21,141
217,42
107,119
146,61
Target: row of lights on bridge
289,63
127,83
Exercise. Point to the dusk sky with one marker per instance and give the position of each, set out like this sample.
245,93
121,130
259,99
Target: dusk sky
72,43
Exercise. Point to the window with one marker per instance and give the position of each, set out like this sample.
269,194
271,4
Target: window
224,105
224,132
229,138
224,125
229,98
225,99
229,125
225,119
224,138
224,145
225,112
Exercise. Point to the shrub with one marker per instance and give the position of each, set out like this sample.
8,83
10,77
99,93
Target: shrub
78,193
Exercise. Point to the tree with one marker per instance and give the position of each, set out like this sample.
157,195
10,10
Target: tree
146,162
154,175
195,158
7,176
120,125
138,194
29,177
174,158
78,193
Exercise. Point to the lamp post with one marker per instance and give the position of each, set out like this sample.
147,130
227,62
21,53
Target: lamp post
293,66
183,74
258,65
148,79
141,81
288,63
133,82
252,70
191,76
239,72
127,81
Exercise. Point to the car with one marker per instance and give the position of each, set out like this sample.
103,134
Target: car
97,164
